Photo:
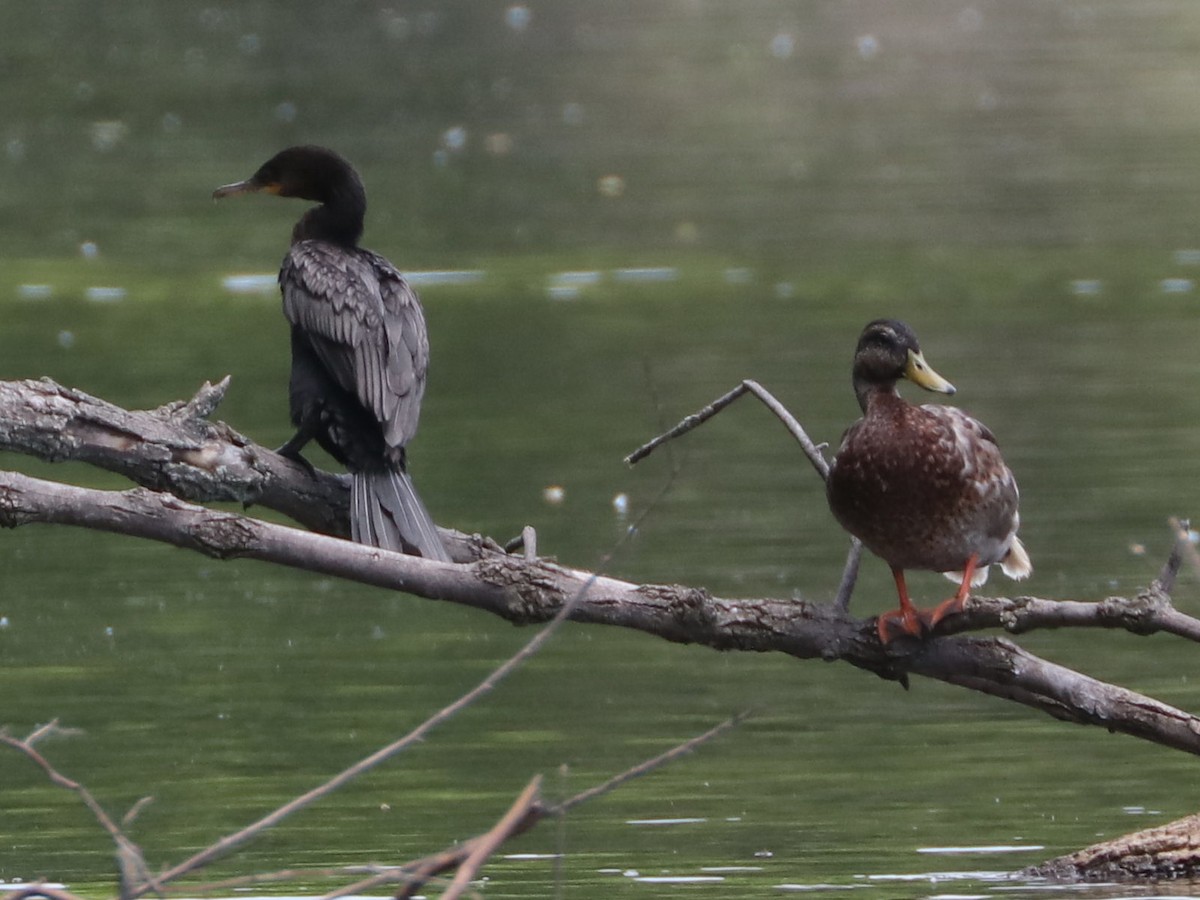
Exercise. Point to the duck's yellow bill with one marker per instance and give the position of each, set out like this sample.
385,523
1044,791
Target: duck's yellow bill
919,372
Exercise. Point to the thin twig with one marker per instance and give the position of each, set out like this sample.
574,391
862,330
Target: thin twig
486,844
416,873
26,747
644,768
232,841
228,843
1184,545
845,591
811,450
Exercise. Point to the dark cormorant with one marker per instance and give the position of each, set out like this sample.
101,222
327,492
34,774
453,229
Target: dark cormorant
359,348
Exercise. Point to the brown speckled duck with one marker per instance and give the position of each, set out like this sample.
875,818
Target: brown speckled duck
923,487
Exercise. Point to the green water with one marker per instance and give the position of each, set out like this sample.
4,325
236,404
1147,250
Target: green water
1015,180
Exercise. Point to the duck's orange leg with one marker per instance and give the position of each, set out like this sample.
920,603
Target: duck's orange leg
955,603
906,618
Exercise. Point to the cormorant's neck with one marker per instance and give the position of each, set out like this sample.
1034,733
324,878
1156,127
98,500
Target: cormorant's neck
338,220
865,391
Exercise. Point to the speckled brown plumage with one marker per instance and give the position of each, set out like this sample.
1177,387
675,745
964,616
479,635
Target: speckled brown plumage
923,487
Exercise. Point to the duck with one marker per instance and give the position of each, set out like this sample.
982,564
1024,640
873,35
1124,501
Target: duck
922,487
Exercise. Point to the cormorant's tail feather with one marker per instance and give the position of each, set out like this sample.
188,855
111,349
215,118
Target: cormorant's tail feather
386,512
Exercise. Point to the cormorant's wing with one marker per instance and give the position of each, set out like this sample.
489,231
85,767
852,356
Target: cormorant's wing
366,327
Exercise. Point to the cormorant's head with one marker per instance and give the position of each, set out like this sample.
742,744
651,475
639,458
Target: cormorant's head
888,351
307,172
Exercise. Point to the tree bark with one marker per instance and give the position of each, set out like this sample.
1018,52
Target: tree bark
1168,851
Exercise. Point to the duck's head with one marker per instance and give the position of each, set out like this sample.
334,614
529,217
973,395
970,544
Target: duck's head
887,351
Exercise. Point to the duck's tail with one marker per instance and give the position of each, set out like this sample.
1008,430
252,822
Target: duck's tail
386,512
1016,564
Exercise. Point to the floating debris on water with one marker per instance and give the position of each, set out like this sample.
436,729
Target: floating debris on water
35,291
1176,285
250,284
620,504
867,45
580,278
66,339
1087,287
680,821
105,294
107,134
783,45
992,848
680,879
785,290
532,856
447,276
1187,257
567,285
517,17
651,273
554,494
455,139
268,282
611,186
562,292
572,113
89,250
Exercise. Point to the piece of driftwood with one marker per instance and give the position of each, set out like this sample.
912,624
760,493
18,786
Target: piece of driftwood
1166,852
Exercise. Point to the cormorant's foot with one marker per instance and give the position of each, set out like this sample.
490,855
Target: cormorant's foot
287,451
900,622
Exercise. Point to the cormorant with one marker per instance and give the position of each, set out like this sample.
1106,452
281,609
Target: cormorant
923,487
359,348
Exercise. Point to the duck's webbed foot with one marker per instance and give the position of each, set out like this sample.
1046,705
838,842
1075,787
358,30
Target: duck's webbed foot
903,622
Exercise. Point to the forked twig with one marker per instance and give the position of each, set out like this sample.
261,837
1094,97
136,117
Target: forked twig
811,450
129,853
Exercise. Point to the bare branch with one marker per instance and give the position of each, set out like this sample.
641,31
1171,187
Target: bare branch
173,448
525,592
